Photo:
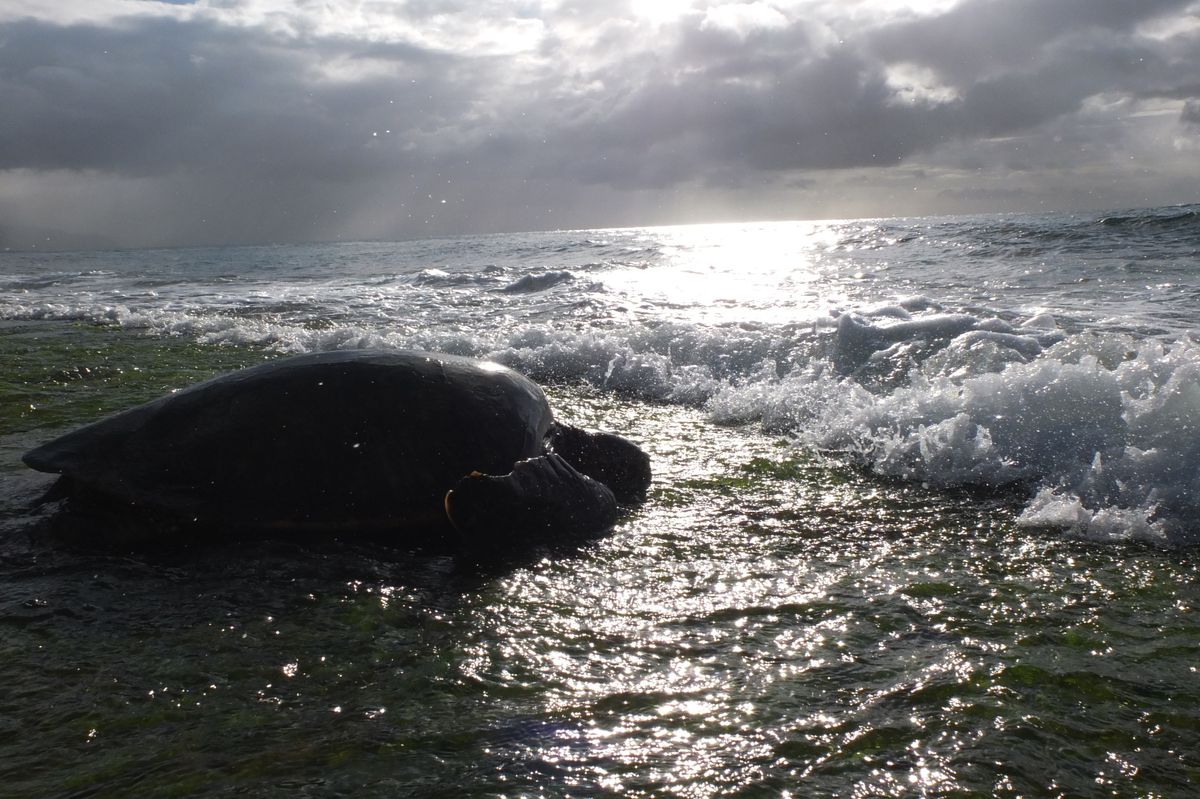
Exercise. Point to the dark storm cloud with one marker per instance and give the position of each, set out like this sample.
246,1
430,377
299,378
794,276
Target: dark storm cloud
715,105
155,95
788,99
1191,112
981,37
243,126
1018,64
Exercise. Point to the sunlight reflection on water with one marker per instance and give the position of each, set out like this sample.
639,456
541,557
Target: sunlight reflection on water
770,621
736,636
766,272
682,659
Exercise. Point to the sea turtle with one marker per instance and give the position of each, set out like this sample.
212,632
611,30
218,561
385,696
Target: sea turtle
414,442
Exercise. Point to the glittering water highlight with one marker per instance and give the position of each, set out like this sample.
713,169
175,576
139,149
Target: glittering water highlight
921,523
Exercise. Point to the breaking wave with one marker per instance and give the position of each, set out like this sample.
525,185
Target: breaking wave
1051,355
1100,429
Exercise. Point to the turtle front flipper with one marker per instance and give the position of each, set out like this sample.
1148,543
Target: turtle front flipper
540,496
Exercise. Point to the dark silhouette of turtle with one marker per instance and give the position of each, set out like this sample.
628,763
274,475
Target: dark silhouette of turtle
420,444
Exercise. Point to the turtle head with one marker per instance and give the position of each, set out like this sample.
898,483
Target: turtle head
541,497
615,461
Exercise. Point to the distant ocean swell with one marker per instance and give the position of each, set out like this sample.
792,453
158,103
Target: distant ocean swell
1100,428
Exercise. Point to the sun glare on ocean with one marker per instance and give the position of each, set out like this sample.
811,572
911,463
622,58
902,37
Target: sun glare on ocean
725,272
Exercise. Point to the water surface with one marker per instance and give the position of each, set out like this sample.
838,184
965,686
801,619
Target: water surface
921,524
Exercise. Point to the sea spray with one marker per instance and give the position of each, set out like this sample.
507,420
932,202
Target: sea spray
776,614
943,400
957,352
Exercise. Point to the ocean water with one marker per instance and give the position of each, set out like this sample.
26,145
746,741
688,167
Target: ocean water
923,522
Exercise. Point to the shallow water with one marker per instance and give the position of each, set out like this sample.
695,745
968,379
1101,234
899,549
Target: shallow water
777,619
766,623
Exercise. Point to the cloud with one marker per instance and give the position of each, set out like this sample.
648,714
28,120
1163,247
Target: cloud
266,120
742,20
1190,115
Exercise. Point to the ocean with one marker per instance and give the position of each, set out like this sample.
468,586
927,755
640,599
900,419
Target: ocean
923,522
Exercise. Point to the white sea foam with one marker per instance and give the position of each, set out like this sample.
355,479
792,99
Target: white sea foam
1099,421
1103,430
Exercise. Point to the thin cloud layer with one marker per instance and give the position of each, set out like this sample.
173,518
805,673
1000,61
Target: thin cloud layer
146,123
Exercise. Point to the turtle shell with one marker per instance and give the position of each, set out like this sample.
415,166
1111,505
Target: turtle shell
365,438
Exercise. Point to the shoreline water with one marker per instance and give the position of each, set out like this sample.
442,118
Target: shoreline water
830,588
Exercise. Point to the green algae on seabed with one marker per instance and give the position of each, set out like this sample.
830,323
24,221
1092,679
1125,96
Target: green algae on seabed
767,622
61,374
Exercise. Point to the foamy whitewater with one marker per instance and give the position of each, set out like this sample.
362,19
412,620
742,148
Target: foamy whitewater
1053,354
924,510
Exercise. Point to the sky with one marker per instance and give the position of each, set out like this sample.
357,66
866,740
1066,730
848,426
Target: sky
145,123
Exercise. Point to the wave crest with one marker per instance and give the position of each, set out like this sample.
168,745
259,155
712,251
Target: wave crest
1103,429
